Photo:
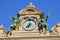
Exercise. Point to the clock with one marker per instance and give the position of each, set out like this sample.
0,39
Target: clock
29,25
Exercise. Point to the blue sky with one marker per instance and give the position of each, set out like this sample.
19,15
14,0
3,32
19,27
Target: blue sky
14,6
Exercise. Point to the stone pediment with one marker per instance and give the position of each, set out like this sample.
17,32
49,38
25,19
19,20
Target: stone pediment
30,10
56,27
2,32
1,27
56,30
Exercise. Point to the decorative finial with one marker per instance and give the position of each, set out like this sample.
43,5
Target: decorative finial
30,5
1,25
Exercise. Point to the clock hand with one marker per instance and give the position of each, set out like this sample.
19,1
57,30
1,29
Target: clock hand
28,25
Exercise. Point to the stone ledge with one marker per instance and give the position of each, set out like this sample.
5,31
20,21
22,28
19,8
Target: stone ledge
33,38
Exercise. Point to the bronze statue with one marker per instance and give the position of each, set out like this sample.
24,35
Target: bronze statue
15,22
42,24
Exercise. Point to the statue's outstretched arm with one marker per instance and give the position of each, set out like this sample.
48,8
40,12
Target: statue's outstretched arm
48,15
11,17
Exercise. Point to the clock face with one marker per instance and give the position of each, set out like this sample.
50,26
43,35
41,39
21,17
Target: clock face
29,25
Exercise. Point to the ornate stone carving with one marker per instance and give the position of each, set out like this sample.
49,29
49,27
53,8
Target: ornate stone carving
55,30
